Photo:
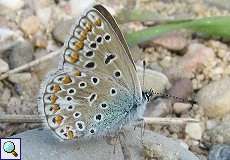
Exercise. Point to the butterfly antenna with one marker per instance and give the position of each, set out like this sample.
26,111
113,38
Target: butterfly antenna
192,101
143,78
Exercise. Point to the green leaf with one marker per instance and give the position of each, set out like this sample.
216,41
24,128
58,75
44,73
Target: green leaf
212,26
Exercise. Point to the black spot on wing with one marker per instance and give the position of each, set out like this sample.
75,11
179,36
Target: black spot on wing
109,58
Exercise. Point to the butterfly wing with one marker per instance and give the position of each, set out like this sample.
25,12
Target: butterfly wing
96,87
96,44
84,105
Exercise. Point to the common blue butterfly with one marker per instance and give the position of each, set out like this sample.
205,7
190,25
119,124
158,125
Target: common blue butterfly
95,90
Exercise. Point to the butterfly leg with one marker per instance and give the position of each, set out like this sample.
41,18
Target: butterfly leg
143,125
112,139
124,147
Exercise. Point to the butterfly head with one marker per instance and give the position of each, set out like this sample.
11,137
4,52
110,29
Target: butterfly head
147,95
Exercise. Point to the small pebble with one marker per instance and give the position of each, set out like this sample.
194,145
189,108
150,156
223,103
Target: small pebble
44,15
21,54
5,96
20,77
181,107
194,130
211,123
77,7
214,98
197,55
62,29
172,41
154,80
31,25
219,134
219,152
4,67
181,88
12,4
158,108
41,41
14,106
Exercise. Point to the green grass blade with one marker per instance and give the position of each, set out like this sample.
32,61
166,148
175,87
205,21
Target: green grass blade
211,26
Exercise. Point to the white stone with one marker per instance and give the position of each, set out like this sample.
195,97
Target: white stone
44,14
77,7
5,34
194,130
12,4
153,80
4,67
20,77
181,107
214,98
211,123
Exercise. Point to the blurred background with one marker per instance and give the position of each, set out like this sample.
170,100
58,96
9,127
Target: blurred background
187,55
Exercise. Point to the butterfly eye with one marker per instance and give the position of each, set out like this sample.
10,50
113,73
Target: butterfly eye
80,125
113,91
77,115
98,117
71,91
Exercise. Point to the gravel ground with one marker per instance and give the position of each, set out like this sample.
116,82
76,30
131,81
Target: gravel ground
185,65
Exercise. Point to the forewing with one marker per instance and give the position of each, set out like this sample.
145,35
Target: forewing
96,44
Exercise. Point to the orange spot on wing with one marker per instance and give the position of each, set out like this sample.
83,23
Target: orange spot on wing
67,80
77,73
89,27
58,119
79,45
74,57
55,108
84,35
98,22
56,88
70,134
53,99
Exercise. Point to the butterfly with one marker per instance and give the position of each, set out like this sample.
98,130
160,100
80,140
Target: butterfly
95,90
